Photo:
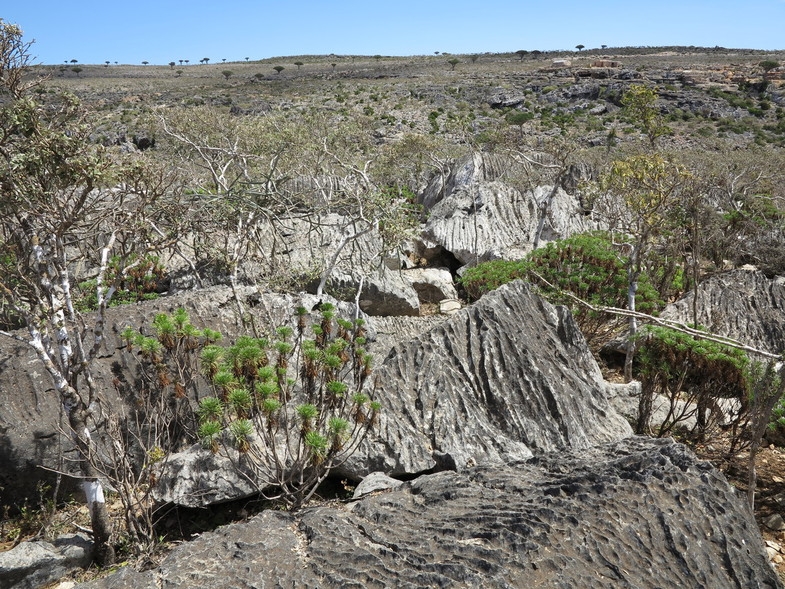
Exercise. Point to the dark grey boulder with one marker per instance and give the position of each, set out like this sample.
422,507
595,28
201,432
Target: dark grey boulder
640,512
31,565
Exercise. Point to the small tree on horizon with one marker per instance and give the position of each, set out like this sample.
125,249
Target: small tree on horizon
580,47
172,64
521,53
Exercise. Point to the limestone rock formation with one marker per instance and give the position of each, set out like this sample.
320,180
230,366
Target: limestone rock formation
309,247
641,513
506,377
742,304
476,216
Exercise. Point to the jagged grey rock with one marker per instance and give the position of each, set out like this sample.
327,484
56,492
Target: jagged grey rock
506,377
742,304
476,216
31,565
640,512
309,248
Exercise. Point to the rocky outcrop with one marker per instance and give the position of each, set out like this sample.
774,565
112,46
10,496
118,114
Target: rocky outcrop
641,513
31,565
506,377
477,217
742,304
498,381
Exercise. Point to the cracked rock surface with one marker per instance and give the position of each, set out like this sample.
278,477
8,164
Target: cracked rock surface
641,513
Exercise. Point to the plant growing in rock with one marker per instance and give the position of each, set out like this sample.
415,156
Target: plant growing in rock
693,375
295,407
160,418
141,281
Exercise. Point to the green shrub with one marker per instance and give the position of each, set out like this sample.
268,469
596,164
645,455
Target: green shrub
584,265
294,431
294,407
685,369
141,283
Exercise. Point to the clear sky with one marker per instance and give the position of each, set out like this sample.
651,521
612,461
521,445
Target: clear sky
132,31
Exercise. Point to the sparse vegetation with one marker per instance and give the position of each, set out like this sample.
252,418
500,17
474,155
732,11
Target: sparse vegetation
699,194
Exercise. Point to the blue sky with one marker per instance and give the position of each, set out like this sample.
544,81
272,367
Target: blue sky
159,32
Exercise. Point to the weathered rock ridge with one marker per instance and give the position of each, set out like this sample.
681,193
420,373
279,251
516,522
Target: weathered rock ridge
476,216
506,377
742,304
641,513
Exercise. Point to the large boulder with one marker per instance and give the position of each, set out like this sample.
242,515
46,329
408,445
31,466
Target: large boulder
741,304
641,513
500,380
31,565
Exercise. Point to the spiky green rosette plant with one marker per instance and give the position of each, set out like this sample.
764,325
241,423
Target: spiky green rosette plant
169,366
295,406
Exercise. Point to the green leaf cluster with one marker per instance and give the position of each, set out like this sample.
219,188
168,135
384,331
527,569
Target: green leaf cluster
293,402
141,282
